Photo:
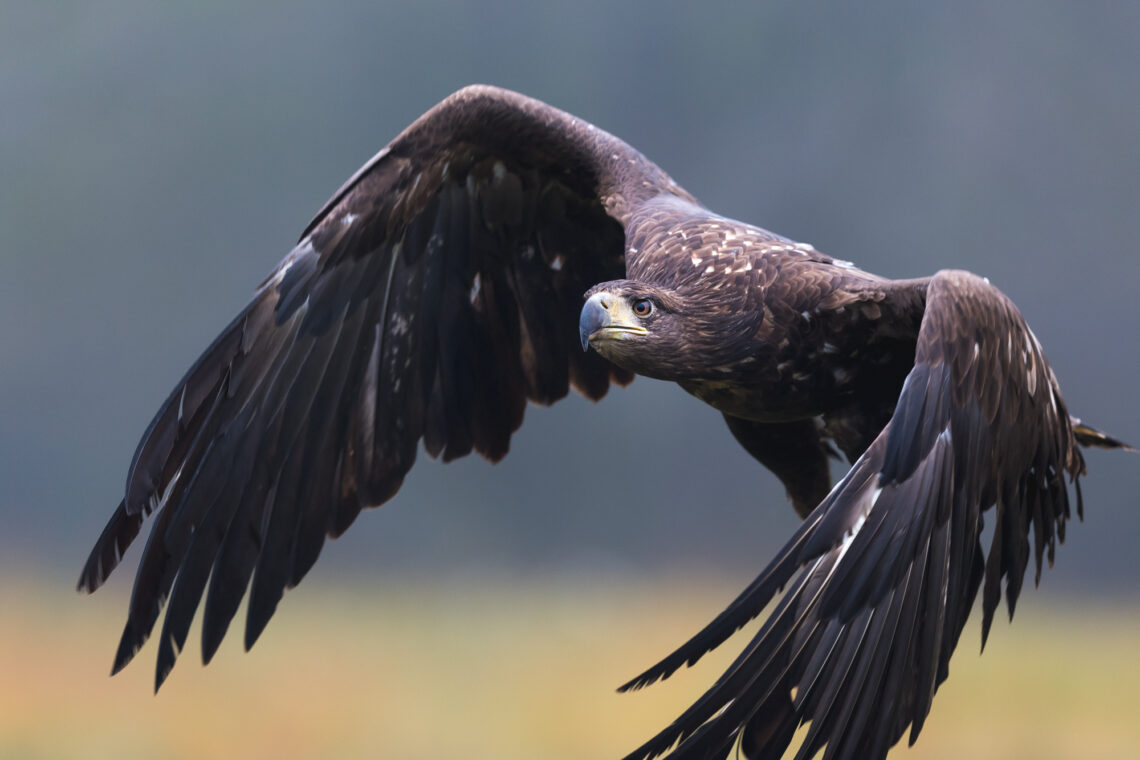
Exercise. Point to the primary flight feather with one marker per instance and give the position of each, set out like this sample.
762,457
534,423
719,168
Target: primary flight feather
441,289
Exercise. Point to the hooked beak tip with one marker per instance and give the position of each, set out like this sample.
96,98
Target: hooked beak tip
593,317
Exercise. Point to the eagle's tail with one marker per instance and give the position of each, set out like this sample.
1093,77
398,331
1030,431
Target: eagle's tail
1087,436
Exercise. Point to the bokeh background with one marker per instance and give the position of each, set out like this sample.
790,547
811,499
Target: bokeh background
156,160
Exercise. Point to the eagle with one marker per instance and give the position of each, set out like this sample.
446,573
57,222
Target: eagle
460,273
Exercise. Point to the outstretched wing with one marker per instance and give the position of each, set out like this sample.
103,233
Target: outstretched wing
433,296
881,577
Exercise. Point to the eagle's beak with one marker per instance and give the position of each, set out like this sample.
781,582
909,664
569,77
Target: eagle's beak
607,316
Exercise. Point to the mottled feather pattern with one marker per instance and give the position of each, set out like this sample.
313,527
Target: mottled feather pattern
882,575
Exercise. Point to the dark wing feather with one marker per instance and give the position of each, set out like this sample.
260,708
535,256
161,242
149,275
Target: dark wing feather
430,299
881,576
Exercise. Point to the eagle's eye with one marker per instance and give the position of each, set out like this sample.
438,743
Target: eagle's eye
643,307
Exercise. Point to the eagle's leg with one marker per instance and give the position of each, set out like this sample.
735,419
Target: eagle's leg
794,451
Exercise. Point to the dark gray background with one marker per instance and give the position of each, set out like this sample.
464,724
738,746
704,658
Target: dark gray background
156,162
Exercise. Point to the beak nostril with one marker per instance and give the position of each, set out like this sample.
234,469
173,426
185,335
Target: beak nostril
605,303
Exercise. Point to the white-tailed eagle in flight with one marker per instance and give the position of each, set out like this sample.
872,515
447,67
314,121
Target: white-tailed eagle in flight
460,274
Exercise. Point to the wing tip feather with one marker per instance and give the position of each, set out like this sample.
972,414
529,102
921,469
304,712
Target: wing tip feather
109,548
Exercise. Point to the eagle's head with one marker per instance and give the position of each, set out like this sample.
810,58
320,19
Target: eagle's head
643,328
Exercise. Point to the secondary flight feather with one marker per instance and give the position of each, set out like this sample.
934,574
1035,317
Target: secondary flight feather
458,276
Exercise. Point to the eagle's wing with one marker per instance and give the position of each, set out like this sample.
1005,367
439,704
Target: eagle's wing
433,296
881,577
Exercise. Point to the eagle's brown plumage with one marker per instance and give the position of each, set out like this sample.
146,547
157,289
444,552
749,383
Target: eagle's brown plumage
441,289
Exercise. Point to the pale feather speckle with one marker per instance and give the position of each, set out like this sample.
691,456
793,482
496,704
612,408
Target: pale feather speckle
476,287
304,248
849,537
399,325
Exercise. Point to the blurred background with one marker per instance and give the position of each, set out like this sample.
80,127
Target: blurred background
156,161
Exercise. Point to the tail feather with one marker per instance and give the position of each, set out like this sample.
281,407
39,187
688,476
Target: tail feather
1087,436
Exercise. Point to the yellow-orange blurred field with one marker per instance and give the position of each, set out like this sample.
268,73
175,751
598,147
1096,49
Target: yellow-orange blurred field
467,668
